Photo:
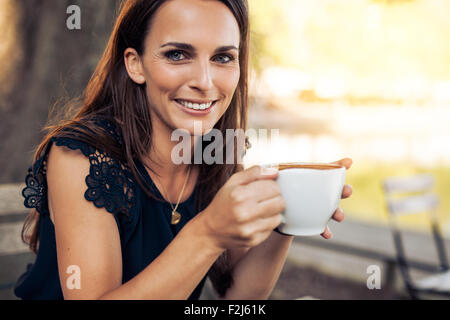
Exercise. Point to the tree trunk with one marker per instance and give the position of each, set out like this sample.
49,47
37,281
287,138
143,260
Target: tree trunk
55,63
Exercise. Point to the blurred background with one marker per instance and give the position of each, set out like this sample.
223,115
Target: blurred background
365,79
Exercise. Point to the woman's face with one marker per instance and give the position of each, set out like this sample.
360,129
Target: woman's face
191,61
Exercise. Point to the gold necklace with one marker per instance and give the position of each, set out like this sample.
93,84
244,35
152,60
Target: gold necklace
176,216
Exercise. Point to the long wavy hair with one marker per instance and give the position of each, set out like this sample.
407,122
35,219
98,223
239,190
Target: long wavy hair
111,92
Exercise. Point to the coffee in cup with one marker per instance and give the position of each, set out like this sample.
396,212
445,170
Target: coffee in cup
312,192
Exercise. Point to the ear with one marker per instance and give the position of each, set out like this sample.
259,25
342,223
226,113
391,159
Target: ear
134,66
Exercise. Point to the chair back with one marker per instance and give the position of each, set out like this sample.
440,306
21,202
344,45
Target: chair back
412,195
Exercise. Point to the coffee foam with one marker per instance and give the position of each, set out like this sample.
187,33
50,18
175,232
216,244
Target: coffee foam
316,166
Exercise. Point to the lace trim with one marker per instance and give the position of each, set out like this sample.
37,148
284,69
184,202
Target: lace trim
35,192
110,184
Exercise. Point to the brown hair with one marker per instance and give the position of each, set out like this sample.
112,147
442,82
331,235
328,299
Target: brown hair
110,91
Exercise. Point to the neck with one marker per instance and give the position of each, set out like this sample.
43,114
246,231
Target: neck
168,176
159,157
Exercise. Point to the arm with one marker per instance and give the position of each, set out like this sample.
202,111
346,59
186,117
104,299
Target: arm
263,262
88,237
266,260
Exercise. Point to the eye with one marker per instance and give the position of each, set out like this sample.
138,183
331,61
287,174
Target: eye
175,55
226,58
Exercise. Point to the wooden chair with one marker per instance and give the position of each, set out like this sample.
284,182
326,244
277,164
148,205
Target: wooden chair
410,195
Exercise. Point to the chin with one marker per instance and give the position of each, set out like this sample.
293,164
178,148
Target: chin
200,128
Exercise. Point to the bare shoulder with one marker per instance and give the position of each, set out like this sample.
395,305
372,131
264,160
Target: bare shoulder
64,158
67,170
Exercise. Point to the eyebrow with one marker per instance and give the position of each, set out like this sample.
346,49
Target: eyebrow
189,47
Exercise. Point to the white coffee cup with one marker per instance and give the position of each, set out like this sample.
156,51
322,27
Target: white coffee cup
312,192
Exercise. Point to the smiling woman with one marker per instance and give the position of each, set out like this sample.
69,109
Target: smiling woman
107,198
110,204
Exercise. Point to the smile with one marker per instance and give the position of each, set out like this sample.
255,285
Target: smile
195,106
196,109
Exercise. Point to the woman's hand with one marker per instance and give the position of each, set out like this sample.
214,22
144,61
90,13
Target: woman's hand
245,210
346,192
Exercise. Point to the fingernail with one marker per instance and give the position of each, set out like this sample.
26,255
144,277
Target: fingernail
269,170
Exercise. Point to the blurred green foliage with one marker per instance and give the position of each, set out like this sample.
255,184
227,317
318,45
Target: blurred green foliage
368,204
363,42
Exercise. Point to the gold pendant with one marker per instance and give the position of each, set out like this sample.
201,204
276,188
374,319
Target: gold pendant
176,217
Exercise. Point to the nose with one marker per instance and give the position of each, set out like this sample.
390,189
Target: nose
202,79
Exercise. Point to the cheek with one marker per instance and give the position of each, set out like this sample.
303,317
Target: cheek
162,79
229,81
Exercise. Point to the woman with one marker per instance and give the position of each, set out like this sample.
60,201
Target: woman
115,217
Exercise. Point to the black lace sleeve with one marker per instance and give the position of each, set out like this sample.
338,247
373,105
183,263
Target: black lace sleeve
35,191
110,184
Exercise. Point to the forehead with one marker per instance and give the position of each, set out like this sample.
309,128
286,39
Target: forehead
195,22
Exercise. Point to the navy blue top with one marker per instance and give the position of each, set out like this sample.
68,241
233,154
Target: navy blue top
143,222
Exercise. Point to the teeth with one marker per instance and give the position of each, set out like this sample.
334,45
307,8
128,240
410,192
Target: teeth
195,106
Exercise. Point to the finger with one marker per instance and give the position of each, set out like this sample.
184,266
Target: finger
347,191
327,233
267,224
261,190
338,215
270,207
270,170
346,162
254,173
246,176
